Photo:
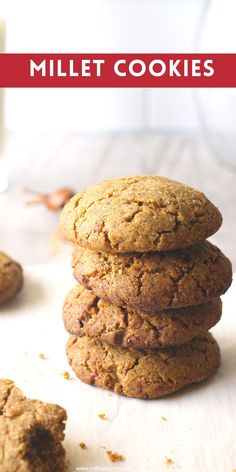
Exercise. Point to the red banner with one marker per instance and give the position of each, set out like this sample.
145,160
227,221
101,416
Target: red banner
117,70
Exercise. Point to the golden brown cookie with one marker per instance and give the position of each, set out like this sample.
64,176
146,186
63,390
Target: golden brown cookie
143,373
155,281
11,277
31,433
139,214
86,314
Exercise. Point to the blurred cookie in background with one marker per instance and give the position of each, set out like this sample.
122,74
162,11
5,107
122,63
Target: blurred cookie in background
11,277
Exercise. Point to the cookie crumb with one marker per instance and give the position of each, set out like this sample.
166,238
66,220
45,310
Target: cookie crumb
169,461
102,416
66,375
42,356
82,445
163,418
114,456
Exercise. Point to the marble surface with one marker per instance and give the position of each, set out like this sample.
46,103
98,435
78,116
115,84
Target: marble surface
47,162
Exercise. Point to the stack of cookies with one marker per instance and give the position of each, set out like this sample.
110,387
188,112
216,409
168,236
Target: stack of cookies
149,286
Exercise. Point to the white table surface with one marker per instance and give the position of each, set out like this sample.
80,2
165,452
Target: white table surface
199,431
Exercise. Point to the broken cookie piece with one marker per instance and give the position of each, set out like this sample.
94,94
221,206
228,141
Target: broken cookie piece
31,433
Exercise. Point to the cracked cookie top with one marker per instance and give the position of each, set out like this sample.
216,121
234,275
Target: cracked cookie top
143,373
86,314
11,277
155,281
139,214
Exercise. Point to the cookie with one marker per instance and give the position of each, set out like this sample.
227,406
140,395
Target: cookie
11,277
86,314
139,214
155,281
31,433
143,373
